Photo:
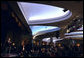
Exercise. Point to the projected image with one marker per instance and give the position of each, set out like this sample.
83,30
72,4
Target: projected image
36,29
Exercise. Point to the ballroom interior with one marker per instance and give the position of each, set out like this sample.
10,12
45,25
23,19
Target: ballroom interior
41,28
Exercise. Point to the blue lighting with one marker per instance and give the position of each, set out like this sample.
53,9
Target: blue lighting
36,29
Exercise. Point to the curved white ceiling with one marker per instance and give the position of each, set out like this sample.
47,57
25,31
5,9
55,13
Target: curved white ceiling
41,14
39,30
75,36
43,29
75,33
54,39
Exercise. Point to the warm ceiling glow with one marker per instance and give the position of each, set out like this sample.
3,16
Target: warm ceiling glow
13,44
59,45
68,30
78,44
